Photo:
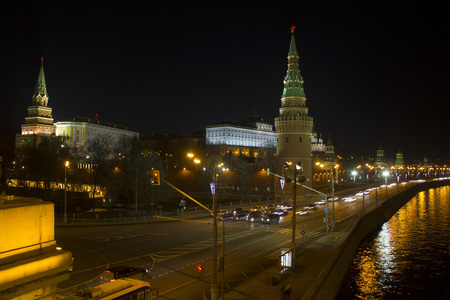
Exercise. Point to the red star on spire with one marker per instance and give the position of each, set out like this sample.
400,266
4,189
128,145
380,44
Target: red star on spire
292,29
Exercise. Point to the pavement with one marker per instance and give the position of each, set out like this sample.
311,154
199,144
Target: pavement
312,257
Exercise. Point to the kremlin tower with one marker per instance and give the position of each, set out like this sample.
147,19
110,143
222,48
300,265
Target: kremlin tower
294,127
39,121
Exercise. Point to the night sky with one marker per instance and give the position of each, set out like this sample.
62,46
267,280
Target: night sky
375,73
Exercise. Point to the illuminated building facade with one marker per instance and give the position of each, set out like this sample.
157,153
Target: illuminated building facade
261,135
242,138
293,126
39,121
81,130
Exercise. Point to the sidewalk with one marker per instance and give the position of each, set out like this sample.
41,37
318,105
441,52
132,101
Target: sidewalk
311,260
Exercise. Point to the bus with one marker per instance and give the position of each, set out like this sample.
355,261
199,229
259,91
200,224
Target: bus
119,289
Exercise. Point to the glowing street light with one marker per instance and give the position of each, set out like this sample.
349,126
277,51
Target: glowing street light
333,223
214,286
385,174
65,191
354,176
297,170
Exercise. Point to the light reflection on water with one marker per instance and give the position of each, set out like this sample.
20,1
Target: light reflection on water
409,258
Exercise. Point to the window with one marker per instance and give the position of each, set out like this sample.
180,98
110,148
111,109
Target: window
287,139
300,139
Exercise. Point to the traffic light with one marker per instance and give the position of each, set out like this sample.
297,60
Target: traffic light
183,203
200,271
154,178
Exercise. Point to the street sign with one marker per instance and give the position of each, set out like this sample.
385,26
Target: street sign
213,188
326,209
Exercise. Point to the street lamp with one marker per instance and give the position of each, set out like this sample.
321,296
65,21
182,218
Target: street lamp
65,191
214,287
354,176
298,167
385,174
333,223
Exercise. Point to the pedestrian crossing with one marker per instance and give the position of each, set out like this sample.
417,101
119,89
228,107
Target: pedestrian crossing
163,255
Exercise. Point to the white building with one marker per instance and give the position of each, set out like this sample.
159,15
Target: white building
249,134
80,131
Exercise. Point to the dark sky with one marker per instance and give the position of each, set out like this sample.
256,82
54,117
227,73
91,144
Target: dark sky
376,73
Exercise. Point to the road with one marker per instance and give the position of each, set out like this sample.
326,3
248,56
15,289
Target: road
171,250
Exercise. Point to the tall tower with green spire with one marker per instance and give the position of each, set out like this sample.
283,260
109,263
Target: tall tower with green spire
39,120
294,126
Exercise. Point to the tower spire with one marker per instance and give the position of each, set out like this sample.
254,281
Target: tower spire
293,81
40,96
294,126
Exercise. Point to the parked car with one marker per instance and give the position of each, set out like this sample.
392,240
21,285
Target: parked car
253,217
270,219
117,272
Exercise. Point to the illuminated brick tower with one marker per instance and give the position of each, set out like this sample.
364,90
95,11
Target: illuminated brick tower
39,121
294,126
399,161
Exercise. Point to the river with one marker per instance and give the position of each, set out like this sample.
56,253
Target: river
409,258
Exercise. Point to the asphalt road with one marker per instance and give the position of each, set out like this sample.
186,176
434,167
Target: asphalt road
171,250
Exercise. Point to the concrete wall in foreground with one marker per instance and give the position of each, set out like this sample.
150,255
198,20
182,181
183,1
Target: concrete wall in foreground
30,263
329,281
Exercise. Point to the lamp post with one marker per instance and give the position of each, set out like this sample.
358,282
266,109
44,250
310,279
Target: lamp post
385,174
333,223
354,176
65,191
214,286
298,167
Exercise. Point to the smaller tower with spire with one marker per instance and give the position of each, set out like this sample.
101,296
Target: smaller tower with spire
399,161
329,152
380,161
39,120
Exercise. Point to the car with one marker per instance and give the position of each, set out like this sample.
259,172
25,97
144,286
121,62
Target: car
221,212
270,219
238,210
117,272
271,210
227,216
257,208
320,202
349,199
284,206
239,216
302,212
253,217
311,206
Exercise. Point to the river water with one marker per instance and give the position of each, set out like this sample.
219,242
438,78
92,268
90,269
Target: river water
409,258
